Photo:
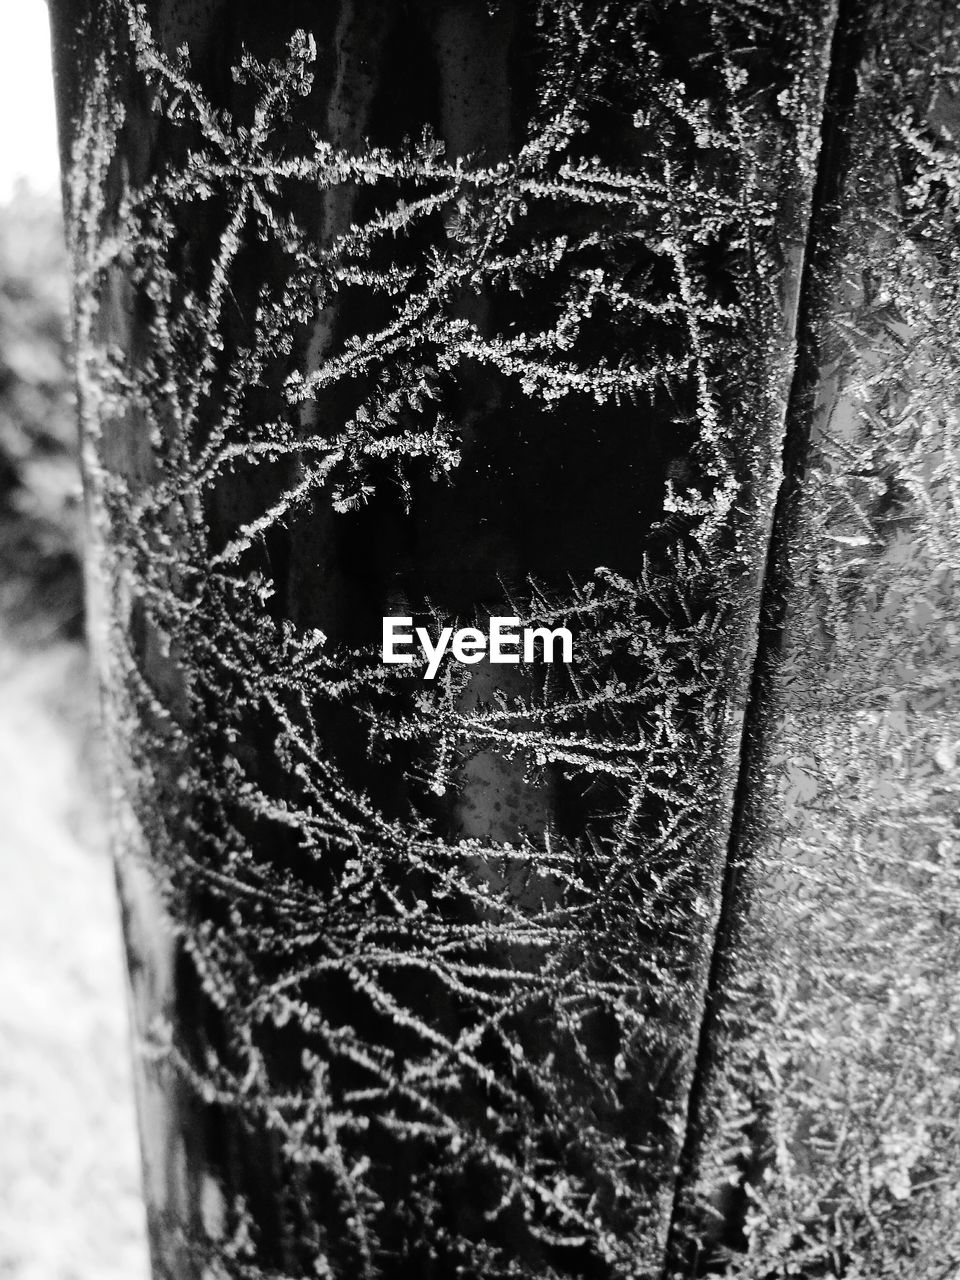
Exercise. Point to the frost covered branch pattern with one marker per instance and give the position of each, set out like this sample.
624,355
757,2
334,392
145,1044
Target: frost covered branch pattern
439,948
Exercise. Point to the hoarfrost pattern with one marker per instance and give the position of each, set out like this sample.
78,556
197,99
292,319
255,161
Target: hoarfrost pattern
460,1054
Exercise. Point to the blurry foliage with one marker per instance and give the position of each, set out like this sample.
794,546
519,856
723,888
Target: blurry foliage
69,1175
40,591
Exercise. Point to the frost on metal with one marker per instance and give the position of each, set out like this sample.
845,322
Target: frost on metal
507,330
832,1103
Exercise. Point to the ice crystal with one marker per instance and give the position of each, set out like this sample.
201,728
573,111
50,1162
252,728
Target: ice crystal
462,1043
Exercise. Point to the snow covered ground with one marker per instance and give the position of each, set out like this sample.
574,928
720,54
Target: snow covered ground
69,1165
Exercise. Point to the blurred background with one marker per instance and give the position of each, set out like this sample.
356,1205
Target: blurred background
69,1164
